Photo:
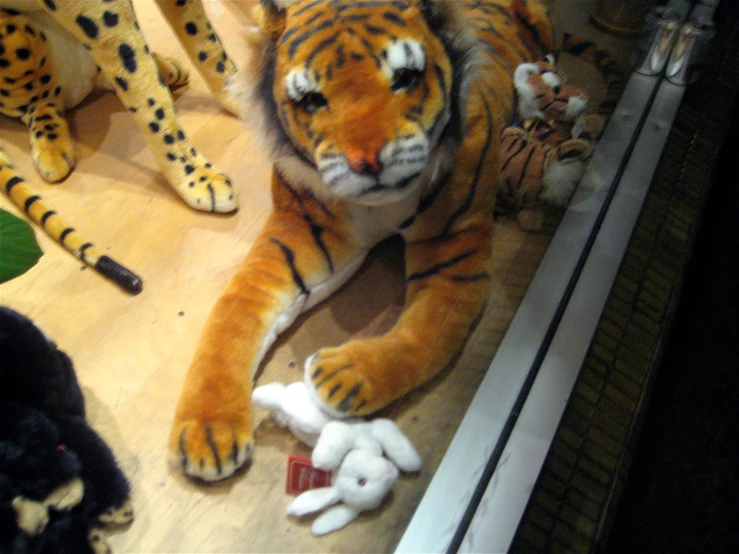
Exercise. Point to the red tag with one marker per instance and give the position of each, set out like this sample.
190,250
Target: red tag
302,476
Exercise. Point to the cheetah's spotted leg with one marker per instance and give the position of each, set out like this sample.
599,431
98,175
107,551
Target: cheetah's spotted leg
173,73
297,260
110,31
203,46
30,91
447,285
52,148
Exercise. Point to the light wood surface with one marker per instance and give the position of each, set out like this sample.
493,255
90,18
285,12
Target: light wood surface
131,353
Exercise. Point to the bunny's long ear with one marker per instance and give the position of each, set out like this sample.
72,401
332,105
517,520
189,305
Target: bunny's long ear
269,396
396,445
336,439
313,501
335,518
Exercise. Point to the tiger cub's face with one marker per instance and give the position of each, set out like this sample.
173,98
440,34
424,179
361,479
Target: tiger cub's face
362,92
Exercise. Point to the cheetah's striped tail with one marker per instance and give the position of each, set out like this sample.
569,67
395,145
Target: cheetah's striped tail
613,77
37,210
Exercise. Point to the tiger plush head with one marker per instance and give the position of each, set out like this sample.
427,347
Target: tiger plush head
359,103
544,94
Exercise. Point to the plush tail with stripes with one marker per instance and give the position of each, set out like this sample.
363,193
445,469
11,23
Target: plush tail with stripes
23,196
613,77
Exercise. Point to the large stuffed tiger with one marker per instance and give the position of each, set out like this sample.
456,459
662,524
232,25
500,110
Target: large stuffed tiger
384,118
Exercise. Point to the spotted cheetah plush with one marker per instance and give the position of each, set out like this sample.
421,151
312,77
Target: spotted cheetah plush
50,52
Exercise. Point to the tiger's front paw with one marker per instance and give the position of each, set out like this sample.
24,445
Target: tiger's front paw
342,381
207,190
211,449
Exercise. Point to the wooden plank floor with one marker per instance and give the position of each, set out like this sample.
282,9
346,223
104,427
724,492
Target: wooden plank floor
131,353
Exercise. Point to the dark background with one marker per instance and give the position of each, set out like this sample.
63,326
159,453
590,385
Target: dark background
681,492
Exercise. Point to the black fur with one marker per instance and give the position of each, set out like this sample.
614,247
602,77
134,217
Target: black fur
272,6
266,95
434,18
45,442
462,59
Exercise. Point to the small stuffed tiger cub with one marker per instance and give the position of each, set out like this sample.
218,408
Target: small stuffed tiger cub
545,151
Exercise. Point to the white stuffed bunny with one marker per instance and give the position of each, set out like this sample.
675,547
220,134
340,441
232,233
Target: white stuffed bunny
355,446
374,438
360,484
291,406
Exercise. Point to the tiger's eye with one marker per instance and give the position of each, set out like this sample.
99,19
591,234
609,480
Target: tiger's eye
312,102
406,79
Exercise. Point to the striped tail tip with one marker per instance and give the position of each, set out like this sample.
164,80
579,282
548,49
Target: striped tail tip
120,275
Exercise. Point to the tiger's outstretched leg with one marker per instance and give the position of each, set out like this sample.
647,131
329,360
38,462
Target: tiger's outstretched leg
448,281
448,250
203,46
111,33
23,196
302,255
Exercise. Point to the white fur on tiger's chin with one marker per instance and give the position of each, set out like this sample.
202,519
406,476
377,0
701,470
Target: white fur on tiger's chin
560,180
526,94
575,106
402,162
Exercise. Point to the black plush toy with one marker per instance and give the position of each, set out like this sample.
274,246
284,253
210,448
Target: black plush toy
58,479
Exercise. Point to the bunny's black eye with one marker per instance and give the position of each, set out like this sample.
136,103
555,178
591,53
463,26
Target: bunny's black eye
361,481
312,102
406,78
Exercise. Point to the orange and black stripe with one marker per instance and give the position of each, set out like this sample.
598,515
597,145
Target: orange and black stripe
613,77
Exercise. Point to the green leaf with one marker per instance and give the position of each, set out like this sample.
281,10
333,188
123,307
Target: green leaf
19,250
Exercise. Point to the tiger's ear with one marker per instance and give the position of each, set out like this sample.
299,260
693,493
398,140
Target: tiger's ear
270,17
441,15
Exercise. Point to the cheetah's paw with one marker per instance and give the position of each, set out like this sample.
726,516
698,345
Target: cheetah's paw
207,190
55,161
